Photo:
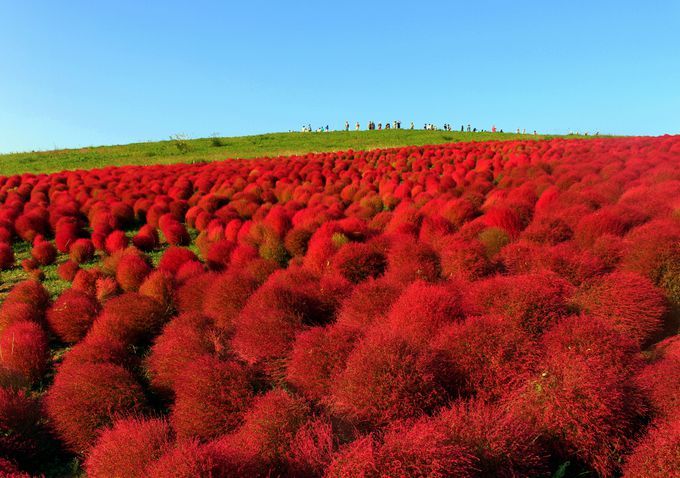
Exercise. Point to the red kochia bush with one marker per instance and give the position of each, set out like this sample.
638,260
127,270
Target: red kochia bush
533,301
270,426
128,448
388,378
81,251
116,241
184,338
68,270
159,286
581,395
131,317
211,397
190,459
289,300
368,301
420,450
87,397
627,301
357,262
226,296
319,354
504,444
72,314
29,292
657,455
489,354
6,256
22,435
173,258
409,260
131,271
423,309
44,252
175,233
24,353
660,379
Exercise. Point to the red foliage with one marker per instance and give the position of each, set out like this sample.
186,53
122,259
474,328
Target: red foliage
504,444
128,448
423,309
368,301
627,301
281,307
131,317
68,270
358,262
159,286
183,339
72,314
318,354
489,354
173,258
82,251
23,353
211,397
86,398
29,292
23,437
131,271
116,241
660,378
533,301
387,378
43,252
657,455
409,260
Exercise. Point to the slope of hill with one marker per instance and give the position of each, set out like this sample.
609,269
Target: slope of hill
215,149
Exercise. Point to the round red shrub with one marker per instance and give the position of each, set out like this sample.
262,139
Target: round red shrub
657,455
183,339
131,271
24,354
44,253
358,261
281,307
387,378
660,378
219,254
489,354
173,258
72,314
86,398
190,459
504,444
23,437
423,309
533,301
627,301
81,251
67,270
318,354
131,317
159,286
128,448
211,397
116,241
368,301
226,296
270,425
409,260
29,292
175,233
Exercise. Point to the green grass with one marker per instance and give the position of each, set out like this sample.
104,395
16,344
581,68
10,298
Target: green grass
199,150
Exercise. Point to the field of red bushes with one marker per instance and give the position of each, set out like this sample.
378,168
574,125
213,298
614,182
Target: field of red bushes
498,309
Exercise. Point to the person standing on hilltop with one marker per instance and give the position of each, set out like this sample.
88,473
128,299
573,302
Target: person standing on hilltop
357,126
346,125
412,125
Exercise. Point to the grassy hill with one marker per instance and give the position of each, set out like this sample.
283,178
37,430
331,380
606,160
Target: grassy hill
215,149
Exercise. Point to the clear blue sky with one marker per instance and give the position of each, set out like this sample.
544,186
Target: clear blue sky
77,73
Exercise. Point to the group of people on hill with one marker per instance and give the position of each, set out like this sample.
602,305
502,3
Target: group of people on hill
396,124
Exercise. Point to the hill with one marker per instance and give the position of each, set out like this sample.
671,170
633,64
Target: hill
218,148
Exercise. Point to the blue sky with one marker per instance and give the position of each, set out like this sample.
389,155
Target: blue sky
80,73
